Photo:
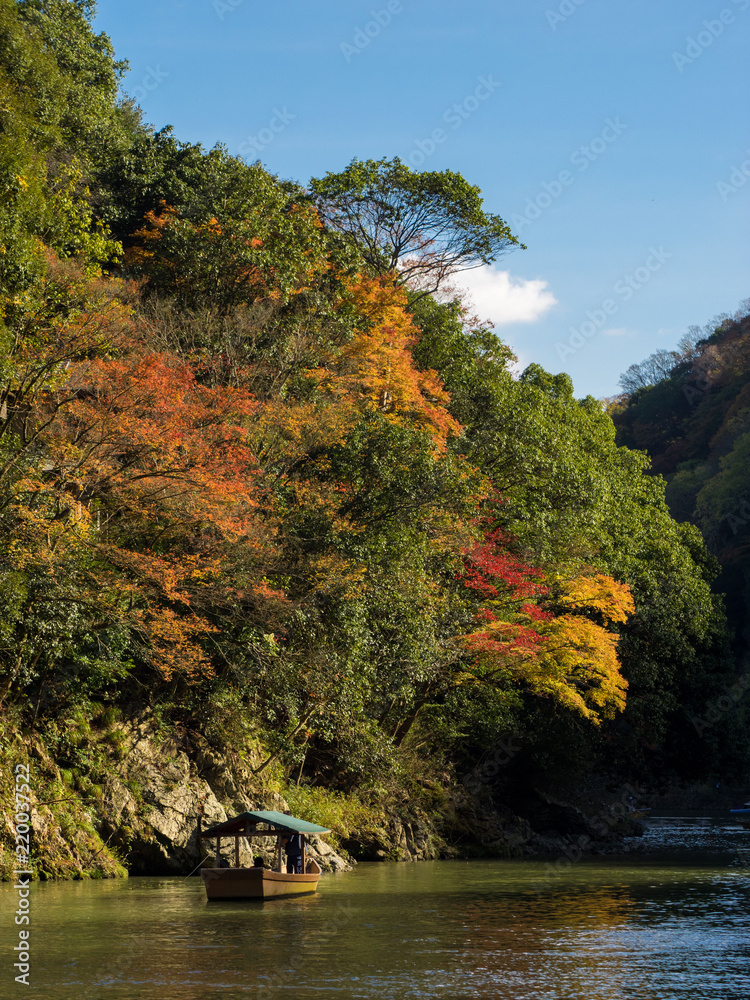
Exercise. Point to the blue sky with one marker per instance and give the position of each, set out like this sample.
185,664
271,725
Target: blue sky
612,136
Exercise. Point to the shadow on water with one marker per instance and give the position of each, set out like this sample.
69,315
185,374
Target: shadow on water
670,920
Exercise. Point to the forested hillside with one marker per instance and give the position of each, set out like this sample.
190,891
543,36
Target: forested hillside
690,409
261,472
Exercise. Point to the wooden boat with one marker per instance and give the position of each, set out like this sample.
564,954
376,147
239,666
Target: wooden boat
742,816
223,882
258,883
642,813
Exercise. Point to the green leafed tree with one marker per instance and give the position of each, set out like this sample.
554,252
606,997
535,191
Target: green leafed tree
426,225
94,125
570,495
59,119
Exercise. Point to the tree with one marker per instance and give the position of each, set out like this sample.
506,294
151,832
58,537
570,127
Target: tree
375,369
423,225
572,497
657,367
274,253
552,634
694,347
92,124
129,497
57,116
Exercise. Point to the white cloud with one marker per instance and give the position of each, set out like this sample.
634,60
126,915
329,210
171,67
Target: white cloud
502,299
617,331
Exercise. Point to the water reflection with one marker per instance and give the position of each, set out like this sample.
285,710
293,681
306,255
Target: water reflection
669,922
536,940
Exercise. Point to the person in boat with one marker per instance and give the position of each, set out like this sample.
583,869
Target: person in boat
258,861
293,849
223,863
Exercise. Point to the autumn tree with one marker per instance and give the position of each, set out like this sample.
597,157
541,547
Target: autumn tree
129,491
571,496
277,488
271,254
552,635
50,600
375,368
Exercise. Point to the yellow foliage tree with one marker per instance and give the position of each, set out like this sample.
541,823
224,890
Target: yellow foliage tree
578,663
554,637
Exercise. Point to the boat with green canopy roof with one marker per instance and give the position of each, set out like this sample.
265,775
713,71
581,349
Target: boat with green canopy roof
258,882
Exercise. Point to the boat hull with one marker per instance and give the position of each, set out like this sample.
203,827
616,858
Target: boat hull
257,883
741,816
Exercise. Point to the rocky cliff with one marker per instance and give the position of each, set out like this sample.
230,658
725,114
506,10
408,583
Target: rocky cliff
156,797
152,812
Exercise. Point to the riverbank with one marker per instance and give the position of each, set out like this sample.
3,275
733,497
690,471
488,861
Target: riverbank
140,802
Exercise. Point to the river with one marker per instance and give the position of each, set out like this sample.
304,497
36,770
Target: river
669,920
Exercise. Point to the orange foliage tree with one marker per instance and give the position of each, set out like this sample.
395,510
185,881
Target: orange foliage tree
129,489
376,368
164,464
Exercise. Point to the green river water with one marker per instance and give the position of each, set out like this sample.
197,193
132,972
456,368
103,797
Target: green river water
670,920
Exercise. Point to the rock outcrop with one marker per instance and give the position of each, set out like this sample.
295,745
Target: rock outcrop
161,792
154,810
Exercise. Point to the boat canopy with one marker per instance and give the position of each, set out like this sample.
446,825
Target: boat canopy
246,824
